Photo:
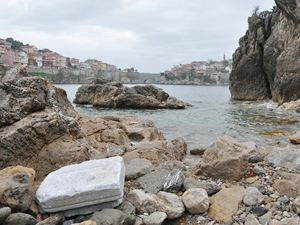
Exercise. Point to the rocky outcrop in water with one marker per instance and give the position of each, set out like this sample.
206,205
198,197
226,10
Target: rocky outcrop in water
115,95
267,63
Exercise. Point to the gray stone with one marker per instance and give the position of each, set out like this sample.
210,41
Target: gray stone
251,220
54,219
138,167
285,157
198,151
129,212
196,200
83,188
210,187
153,182
174,181
156,218
260,187
108,216
258,170
4,213
264,220
20,219
144,203
260,211
255,159
253,196
284,200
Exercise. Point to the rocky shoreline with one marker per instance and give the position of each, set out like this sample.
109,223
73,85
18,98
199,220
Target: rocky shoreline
230,183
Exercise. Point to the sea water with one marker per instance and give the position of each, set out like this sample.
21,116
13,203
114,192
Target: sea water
211,115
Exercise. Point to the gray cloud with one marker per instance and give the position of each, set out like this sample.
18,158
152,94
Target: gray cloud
150,35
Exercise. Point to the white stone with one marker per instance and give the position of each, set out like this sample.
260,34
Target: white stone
196,200
253,196
83,188
156,218
251,220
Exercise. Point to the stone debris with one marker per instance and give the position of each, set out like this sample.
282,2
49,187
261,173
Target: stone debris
173,181
83,188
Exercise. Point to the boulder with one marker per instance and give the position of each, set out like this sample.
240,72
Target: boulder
4,213
288,185
20,219
225,203
253,196
83,188
156,218
16,188
171,204
285,157
174,181
153,182
138,167
225,158
210,187
196,200
144,203
108,216
295,139
139,97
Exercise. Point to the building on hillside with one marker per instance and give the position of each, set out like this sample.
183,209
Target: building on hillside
35,60
3,52
85,66
5,43
94,63
201,72
75,62
54,60
216,65
29,49
8,57
200,65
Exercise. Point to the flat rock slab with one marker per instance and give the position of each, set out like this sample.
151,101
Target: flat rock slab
83,188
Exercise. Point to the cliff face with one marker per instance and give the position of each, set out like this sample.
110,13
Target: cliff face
267,63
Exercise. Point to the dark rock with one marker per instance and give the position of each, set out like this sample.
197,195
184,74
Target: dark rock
197,151
20,219
138,167
255,159
266,64
210,187
4,213
258,170
298,110
284,200
139,97
129,212
174,181
260,211
260,187
153,182
108,216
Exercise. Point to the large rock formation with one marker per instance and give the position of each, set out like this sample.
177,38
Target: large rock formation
267,62
115,95
39,128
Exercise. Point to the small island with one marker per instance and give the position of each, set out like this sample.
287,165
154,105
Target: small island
115,95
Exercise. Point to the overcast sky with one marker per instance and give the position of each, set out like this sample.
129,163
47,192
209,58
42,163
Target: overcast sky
149,35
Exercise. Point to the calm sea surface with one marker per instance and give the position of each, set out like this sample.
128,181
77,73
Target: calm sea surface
212,115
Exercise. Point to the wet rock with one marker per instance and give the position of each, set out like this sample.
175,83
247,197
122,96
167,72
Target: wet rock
260,211
197,151
171,204
196,200
285,157
156,218
225,203
173,181
225,158
153,182
288,185
54,219
4,213
251,220
253,196
143,202
108,216
20,219
138,97
295,139
138,167
16,188
210,187
129,212
83,188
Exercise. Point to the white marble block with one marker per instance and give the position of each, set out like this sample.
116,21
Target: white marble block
83,188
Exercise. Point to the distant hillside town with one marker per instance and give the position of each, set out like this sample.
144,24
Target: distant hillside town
60,69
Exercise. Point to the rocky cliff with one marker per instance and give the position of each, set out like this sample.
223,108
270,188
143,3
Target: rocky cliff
267,63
